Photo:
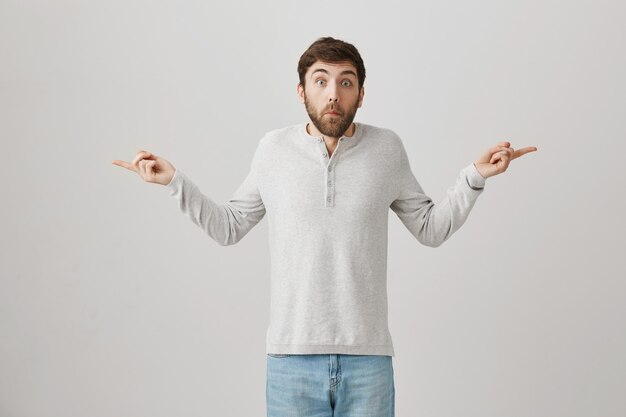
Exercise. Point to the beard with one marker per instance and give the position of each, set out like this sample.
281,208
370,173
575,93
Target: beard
333,126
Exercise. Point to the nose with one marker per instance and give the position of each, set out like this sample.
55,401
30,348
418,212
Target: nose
333,95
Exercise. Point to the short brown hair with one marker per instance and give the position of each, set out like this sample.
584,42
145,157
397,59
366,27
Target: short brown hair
329,49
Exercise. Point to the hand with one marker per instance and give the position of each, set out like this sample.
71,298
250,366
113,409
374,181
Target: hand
497,159
150,167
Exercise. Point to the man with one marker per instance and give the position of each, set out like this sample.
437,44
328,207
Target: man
327,187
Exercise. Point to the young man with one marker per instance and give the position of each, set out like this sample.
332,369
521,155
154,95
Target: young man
327,186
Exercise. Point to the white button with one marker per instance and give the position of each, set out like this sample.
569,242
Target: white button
324,154
328,199
329,167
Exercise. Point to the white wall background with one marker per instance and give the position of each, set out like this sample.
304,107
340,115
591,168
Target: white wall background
112,303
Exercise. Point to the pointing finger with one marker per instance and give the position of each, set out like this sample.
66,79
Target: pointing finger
123,164
524,151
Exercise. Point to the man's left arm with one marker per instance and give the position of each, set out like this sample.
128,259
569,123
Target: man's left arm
432,224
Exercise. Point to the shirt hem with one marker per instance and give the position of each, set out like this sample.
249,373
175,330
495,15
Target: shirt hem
386,350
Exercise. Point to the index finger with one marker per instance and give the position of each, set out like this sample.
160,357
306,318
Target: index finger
520,152
123,164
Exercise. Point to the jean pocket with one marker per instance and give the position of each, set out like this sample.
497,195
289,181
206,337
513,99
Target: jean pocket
278,355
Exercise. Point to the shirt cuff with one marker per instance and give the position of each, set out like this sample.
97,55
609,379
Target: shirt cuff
175,182
474,179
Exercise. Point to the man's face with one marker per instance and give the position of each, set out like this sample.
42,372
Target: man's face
331,87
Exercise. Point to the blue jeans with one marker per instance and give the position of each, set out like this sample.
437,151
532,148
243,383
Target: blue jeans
336,385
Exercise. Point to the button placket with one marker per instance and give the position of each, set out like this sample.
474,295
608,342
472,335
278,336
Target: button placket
330,187
329,178
323,149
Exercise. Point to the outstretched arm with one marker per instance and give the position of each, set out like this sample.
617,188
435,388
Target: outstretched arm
225,223
432,224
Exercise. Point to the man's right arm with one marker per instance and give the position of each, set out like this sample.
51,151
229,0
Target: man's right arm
225,223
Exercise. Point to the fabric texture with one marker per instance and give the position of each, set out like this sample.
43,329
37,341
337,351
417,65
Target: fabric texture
328,222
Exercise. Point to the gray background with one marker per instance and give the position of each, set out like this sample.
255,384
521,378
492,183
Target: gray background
112,303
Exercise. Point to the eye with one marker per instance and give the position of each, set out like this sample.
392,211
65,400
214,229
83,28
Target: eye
347,83
318,82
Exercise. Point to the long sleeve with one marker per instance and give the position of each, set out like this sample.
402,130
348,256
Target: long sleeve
430,223
225,223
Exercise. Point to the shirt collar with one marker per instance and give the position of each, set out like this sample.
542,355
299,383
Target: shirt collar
315,139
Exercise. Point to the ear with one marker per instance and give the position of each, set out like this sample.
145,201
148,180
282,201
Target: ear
300,91
361,94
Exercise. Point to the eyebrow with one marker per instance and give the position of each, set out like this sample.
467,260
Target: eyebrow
326,72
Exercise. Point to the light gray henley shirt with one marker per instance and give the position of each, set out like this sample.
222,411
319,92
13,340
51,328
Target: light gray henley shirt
328,219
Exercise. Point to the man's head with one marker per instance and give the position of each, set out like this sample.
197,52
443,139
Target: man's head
331,75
